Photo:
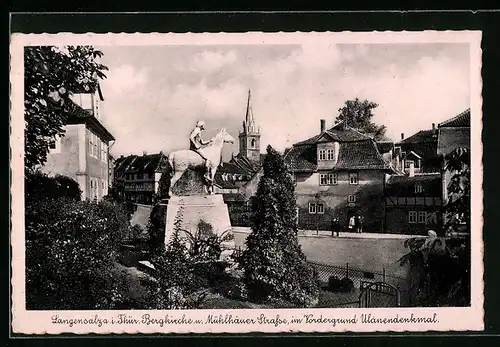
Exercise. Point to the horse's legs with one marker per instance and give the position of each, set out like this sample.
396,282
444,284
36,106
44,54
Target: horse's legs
175,178
211,182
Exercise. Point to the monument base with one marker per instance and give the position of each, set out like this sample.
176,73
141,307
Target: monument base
196,214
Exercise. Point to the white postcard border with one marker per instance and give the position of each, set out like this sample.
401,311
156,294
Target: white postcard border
41,322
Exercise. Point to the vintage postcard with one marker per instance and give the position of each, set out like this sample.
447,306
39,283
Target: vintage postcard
246,182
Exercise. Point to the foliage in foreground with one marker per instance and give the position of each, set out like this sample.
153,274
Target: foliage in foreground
177,286
442,267
40,186
70,254
274,265
51,75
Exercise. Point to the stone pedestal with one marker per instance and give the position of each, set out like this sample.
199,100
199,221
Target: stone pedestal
191,183
193,209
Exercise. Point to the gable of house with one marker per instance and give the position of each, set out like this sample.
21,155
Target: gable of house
454,133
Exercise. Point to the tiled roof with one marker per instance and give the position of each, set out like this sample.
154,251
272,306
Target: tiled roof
420,137
246,164
76,115
346,133
339,132
402,185
424,143
231,176
385,146
462,120
301,158
360,155
357,151
138,163
451,138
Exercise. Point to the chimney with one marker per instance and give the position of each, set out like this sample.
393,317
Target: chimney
411,171
322,125
144,153
402,136
433,126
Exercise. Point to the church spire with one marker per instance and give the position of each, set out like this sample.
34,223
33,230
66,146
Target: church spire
249,120
250,136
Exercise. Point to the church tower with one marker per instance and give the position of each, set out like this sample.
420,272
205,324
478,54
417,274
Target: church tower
250,136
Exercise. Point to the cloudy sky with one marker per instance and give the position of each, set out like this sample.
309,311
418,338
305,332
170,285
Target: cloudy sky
154,95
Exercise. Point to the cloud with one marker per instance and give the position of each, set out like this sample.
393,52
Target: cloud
291,91
125,78
210,61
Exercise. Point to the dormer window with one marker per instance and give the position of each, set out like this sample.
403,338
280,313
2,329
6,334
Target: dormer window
322,154
330,154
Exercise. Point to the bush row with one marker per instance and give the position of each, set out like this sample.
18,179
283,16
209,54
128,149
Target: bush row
71,247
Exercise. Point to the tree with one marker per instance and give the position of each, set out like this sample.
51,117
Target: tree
358,114
177,285
273,263
51,75
457,208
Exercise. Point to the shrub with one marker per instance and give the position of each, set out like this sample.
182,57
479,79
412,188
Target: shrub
156,228
204,244
336,285
273,262
177,285
70,254
40,186
233,289
443,271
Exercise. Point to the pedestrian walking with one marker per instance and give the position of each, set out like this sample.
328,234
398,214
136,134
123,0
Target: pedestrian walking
352,224
359,224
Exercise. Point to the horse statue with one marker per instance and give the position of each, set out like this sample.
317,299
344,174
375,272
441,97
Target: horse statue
184,159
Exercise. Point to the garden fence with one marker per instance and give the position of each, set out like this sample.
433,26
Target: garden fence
364,293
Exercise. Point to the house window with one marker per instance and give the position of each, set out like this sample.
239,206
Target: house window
353,178
323,179
96,146
322,154
104,152
320,208
422,217
252,143
91,144
351,198
412,217
408,162
418,188
316,208
328,179
332,178
312,208
330,154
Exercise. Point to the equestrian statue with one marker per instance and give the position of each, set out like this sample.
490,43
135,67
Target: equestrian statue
206,155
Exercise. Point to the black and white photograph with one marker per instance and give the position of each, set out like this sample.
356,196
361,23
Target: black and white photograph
247,182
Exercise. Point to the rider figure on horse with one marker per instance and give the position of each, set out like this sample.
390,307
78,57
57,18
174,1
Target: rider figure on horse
196,143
